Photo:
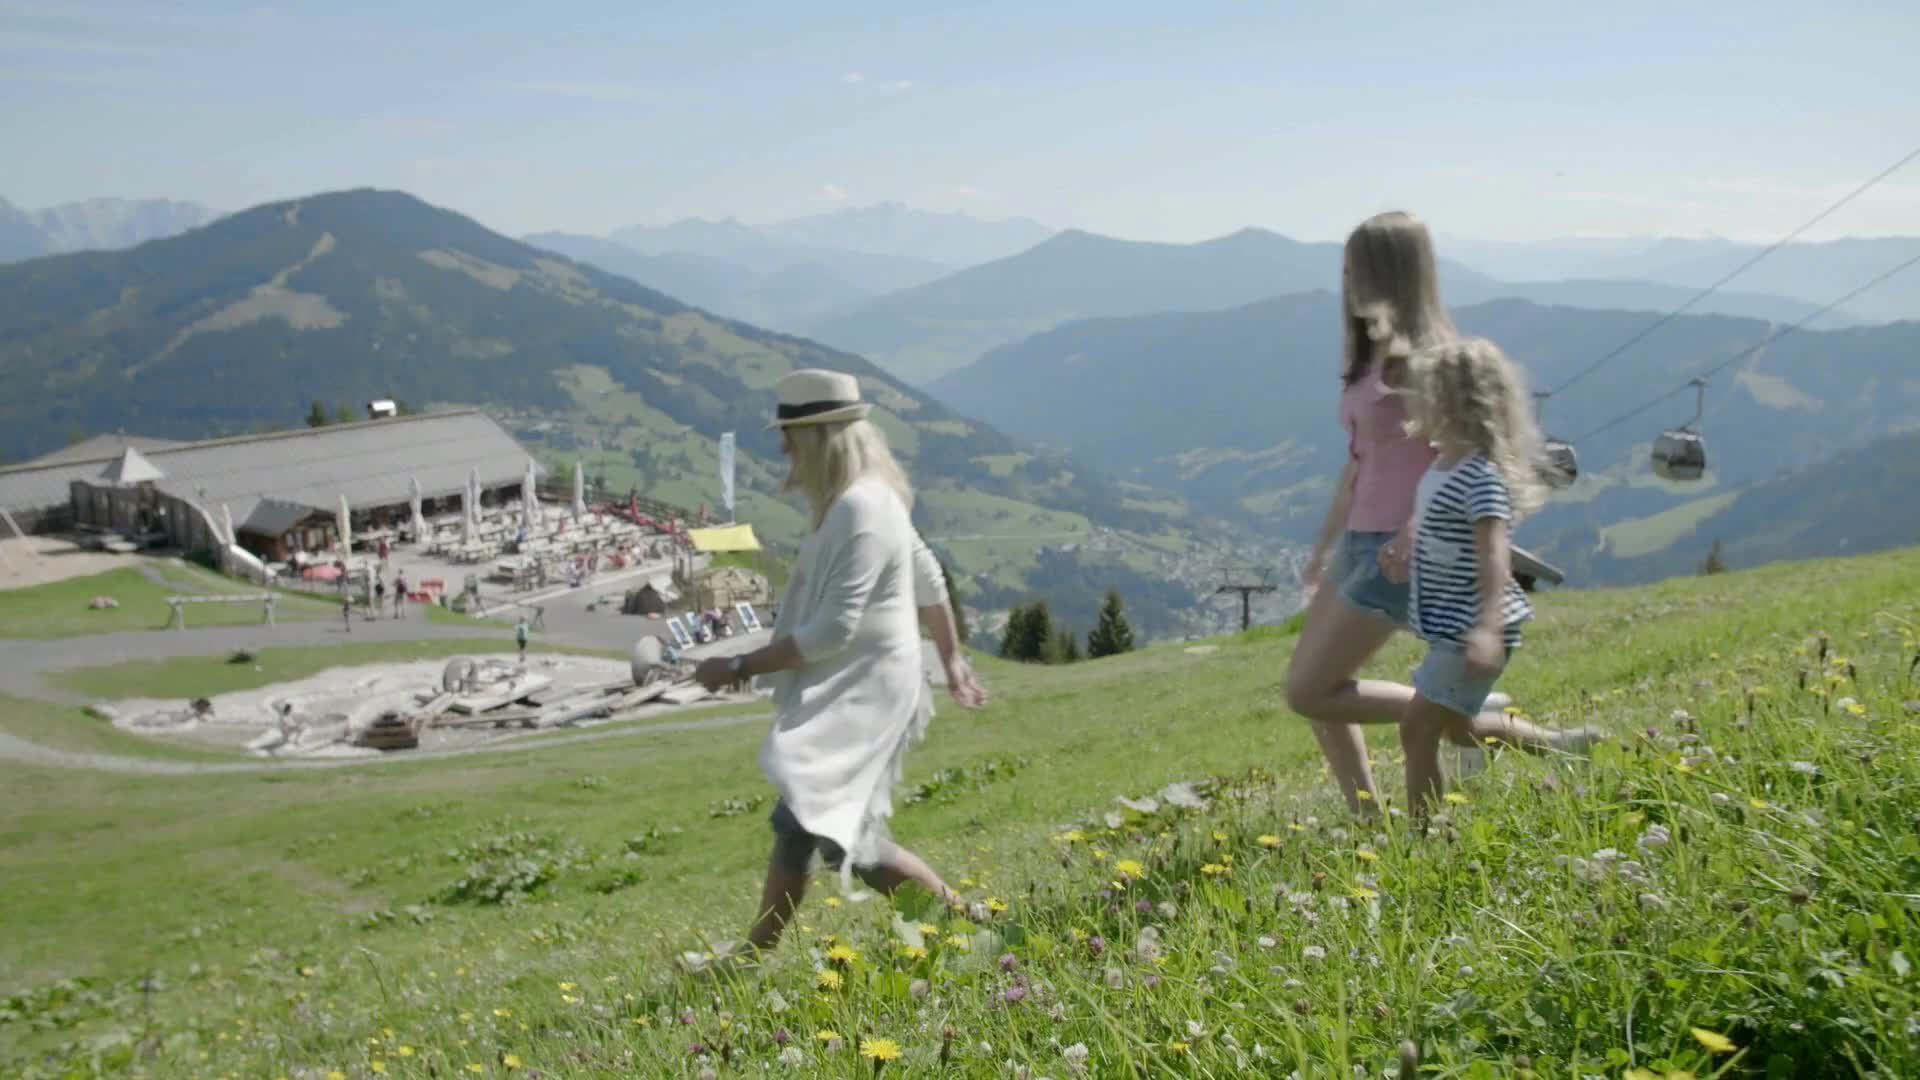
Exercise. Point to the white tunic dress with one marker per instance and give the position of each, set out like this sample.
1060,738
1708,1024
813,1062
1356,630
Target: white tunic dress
843,720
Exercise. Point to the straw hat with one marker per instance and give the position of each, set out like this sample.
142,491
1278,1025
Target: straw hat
816,396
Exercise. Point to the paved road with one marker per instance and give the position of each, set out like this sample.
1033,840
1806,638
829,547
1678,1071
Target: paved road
30,753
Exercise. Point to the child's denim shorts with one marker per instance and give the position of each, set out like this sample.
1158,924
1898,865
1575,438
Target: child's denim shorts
1357,575
1443,679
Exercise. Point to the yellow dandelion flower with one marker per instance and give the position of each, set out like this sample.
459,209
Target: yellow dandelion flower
466,1018
842,954
567,986
1219,837
827,980
1099,855
1361,892
475,1067
377,1067
503,1013
1071,836
1295,826
1367,855
1757,804
1491,740
929,929
913,952
336,1075
1683,768
1268,840
306,973
1856,708
1213,869
569,999
958,941
1363,795
996,905
388,1032
1077,934
1639,1074
511,1061
640,1021
1129,868
1455,797
1714,1041
833,901
826,1035
880,1049
1177,1047
405,1051
969,883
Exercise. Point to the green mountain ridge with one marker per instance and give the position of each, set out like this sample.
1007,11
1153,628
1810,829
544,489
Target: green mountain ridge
365,294
1236,409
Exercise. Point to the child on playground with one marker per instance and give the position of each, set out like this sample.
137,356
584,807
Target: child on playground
1470,402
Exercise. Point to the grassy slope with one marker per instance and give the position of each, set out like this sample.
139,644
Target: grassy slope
274,910
60,609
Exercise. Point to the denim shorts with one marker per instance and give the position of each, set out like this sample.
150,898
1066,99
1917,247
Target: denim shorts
1357,576
793,845
1443,679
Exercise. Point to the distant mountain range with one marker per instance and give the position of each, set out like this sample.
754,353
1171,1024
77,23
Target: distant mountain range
1236,409
924,332
948,239
369,294
94,225
1815,273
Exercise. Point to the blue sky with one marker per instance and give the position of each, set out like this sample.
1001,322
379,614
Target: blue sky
1169,121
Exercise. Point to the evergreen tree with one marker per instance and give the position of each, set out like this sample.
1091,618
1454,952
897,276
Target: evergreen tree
317,416
1064,648
1113,635
1016,630
1714,564
1029,637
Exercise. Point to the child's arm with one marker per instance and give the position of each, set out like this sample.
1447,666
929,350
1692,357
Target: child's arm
1484,644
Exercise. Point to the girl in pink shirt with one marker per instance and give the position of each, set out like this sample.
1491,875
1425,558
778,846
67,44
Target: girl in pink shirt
1390,295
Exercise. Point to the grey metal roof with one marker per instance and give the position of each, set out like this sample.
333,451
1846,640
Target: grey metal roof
271,517
102,446
368,462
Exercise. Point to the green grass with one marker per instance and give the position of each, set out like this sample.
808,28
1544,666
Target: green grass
79,731
1656,532
304,921
59,609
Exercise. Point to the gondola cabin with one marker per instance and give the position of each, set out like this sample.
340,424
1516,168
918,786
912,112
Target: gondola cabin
1559,465
1680,455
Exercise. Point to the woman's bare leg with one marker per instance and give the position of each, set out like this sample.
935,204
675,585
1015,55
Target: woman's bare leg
900,867
784,889
1336,640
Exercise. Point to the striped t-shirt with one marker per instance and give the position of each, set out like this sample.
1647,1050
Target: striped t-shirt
1445,600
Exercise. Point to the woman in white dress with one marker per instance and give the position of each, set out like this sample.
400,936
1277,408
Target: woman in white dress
845,664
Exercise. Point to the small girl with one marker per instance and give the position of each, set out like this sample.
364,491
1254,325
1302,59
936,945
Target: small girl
1469,400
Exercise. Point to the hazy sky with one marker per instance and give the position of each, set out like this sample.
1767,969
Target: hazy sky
1167,121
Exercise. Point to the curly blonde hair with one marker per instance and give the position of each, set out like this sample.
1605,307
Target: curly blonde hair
1468,393
1390,294
826,459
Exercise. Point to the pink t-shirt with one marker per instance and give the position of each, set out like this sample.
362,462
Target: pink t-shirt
1389,464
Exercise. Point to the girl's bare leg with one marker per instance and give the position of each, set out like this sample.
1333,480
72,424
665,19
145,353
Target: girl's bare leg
1336,640
782,893
1426,723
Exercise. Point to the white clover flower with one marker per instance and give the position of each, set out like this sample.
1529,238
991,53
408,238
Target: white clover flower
1656,836
1720,798
1806,768
1196,1030
792,1056
1606,854
1314,952
1266,942
1652,902
1076,1054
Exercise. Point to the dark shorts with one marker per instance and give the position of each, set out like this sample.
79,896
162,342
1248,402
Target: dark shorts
794,846
1356,574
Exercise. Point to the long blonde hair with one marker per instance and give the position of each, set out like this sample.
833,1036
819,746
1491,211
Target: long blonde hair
1390,294
826,459
1467,392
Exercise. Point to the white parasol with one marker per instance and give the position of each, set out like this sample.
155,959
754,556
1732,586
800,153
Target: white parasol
226,522
579,492
342,522
419,519
529,498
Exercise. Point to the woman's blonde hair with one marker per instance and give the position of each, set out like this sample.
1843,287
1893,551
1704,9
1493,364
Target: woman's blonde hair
826,459
1467,392
1390,294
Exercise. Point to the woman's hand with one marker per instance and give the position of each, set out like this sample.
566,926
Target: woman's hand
962,684
715,672
1396,555
1314,569
1485,653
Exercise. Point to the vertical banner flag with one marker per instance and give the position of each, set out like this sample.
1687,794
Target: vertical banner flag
726,473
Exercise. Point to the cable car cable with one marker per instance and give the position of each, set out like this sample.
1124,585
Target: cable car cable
1749,350
1736,272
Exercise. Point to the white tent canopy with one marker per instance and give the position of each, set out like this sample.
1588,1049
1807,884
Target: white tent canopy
130,468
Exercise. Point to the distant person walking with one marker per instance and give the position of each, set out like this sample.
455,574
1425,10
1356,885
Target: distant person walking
346,610
850,692
400,595
379,594
520,637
